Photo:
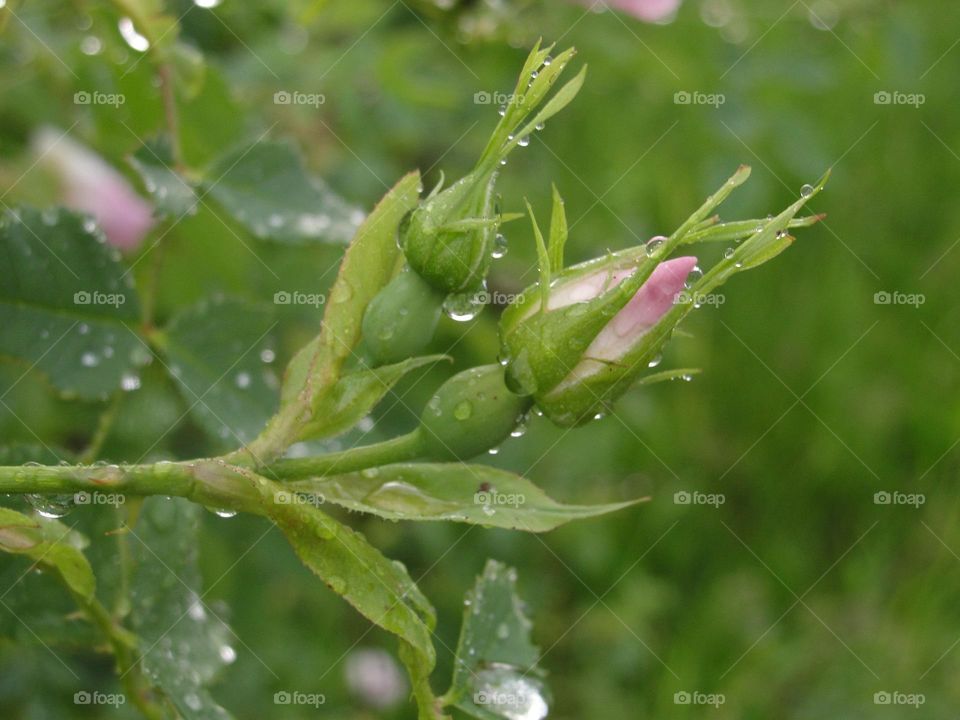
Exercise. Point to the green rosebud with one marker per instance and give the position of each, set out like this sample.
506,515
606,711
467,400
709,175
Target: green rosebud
450,237
579,338
400,321
471,412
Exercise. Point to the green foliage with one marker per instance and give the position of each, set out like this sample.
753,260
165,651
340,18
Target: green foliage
812,398
67,306
473,494
495,671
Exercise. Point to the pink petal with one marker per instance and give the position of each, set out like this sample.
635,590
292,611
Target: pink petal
92,186
646,10
650,303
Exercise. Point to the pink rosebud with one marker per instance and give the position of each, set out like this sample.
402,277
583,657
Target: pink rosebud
650,11
650,303
90,185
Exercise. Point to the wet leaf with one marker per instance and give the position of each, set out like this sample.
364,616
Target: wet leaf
67,306
183,640
172,195
266,188
52,545
495,671
356,394
219,352
474,494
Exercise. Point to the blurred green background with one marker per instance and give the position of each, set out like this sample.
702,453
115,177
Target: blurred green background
799,597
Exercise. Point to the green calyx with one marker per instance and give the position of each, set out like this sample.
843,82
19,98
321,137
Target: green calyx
472,412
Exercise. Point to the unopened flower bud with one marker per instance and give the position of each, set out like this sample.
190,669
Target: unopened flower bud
595,336
400,321
472,412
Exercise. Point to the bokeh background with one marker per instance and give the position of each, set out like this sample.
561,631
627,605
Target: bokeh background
799,596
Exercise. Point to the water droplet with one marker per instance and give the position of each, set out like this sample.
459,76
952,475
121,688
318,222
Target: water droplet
502,110
242,380
524,141
207,4
655,360
267,355
224,512
654,244
130,382
51,506
193,701
806,191
227,654
499,247
83,328
728,253
493,451
88,359
135,40
695,275
463,410
686,377
539,126
463,307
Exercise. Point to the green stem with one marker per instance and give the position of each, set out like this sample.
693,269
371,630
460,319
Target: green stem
399,449
214,482
102,431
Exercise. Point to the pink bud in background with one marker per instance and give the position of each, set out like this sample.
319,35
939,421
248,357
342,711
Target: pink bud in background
90,185
647,10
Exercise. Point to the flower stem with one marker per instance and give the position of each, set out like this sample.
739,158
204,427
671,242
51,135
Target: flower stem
399,449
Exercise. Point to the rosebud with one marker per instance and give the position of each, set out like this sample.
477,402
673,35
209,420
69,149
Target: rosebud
580,337
400,321
588,340
471,412
449,238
